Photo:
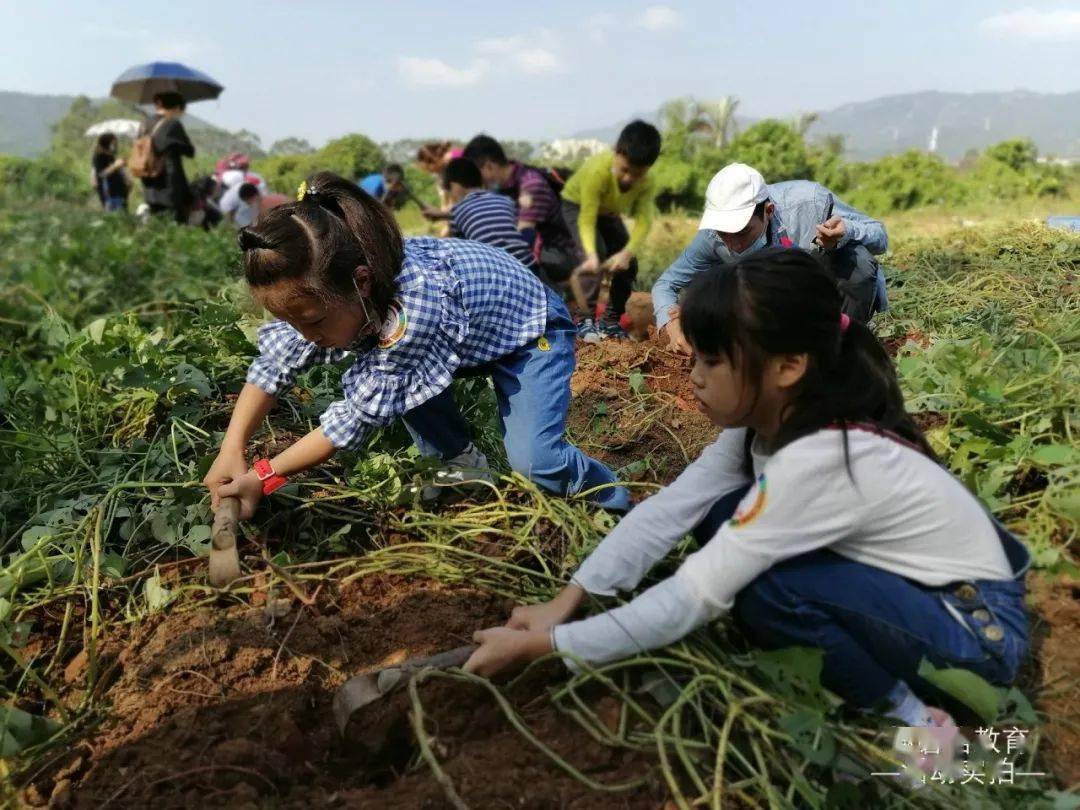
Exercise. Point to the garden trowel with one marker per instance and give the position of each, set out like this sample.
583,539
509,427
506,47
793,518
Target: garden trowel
360,690
224,559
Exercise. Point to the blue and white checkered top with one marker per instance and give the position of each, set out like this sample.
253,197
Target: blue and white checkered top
462,304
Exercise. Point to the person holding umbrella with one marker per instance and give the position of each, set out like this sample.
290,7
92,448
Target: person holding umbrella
157,158
165,185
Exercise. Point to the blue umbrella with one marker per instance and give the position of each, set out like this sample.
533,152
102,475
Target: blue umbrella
141,83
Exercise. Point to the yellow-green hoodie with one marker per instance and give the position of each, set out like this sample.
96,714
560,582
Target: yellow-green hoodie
594,190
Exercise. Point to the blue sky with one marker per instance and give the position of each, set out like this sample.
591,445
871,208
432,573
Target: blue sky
322,68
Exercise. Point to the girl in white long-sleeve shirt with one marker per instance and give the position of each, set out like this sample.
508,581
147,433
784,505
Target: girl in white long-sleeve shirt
823,516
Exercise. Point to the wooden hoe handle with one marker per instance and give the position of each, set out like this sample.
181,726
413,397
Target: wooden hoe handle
224,559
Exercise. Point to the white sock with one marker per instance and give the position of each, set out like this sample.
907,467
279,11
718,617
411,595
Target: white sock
905,706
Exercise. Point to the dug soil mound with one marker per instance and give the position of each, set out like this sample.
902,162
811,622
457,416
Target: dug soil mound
633,408
231,706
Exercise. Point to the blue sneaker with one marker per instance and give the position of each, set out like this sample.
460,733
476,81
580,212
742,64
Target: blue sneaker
587,331
612,330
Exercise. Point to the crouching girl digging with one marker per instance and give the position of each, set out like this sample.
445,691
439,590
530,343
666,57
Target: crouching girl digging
410,314
824,517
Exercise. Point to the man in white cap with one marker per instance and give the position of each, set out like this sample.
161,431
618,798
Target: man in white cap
744,214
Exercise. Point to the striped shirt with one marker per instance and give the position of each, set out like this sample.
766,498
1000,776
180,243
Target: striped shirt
457,305
491,218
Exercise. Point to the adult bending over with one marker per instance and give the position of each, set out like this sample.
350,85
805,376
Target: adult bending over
743,214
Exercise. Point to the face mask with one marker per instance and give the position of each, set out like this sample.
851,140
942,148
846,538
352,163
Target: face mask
757,244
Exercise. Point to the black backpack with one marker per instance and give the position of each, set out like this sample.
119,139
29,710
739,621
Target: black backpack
556,176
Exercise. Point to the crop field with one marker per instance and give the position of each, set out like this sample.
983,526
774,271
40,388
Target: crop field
129,682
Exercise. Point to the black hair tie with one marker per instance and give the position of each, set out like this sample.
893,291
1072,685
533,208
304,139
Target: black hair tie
250,240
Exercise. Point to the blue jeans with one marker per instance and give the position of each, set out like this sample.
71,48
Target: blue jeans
115,203
532,386
875,626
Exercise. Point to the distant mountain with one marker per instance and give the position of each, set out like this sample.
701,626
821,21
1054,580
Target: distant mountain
948,124
26,120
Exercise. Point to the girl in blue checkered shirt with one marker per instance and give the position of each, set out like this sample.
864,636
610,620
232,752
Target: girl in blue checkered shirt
410,315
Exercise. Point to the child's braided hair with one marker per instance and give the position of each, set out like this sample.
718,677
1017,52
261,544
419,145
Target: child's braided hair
333,228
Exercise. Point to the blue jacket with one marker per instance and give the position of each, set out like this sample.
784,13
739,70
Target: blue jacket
801,206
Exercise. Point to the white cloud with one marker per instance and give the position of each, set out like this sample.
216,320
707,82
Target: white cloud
529,58
659,18
1033,25
424,72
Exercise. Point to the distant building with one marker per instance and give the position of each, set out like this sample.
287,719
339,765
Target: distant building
570,150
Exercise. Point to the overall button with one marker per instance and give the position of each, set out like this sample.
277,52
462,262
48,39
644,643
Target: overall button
967,591
993,632
980,615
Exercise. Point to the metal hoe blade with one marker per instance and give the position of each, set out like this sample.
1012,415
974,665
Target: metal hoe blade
360,690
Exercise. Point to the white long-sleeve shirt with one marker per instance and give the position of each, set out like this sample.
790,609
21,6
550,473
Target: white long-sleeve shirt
898,511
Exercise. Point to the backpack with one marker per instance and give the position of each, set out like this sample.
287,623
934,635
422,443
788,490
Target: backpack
556,176
144,162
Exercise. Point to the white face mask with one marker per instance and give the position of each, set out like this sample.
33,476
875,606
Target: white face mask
757,244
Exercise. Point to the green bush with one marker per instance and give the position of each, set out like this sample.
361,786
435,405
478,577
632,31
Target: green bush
352,157
774,149
676,181
27,179
901,182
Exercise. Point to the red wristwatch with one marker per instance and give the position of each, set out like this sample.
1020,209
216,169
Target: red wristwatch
271,481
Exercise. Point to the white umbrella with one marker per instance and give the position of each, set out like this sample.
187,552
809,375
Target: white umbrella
121,127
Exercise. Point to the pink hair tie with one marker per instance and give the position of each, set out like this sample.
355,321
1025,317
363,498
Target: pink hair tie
845,322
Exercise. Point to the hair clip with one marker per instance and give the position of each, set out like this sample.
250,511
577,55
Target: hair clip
305,191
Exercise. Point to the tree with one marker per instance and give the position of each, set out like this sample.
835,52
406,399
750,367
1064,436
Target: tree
1018,154
716,120
774,149
351,156
686,121
291,146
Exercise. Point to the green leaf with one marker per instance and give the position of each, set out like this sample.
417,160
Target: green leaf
157,595
967,687
31,538
113,565
96,329
1065,501
1055,454
810,735
637,382
795,672
198,539
20,730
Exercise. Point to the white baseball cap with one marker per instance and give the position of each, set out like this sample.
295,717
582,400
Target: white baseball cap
731,197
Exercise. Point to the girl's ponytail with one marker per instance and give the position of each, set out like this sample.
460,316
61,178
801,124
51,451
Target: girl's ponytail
856,385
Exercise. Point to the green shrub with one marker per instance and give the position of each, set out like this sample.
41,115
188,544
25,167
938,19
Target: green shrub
352,157
901,182
774,149
676,181
27,179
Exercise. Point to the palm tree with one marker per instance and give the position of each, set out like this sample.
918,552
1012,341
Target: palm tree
716,119
676,114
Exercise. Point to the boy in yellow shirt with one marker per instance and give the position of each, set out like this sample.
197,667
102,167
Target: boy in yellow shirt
605,187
